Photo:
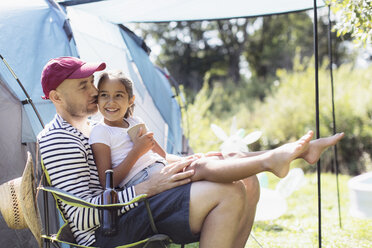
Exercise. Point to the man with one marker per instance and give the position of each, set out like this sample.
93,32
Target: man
217,215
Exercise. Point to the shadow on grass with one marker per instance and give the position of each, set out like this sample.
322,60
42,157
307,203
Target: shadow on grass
263,226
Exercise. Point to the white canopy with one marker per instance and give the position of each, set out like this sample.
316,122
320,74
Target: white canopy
121,11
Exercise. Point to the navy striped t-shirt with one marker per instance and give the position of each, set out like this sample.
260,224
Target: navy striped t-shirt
69,161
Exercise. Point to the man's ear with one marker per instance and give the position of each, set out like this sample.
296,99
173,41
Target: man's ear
55,96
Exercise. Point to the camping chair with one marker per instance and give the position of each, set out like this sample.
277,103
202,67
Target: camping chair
64,235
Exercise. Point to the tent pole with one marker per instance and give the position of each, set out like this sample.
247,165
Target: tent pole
317,119
28,98
335,160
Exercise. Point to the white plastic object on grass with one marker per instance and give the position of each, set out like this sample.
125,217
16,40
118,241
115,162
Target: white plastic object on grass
272,203
263,179
292,182
270,206
236,141
360,191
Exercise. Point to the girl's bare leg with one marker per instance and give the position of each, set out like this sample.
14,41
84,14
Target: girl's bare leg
318,146
276,161
311,155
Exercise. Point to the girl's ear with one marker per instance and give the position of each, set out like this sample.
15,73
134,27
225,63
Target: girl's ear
131,101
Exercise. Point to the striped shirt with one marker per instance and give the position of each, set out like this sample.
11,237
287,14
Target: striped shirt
69,161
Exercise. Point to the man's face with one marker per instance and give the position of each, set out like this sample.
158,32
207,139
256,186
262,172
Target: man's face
79,96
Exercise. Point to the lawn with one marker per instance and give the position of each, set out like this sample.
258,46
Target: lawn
298,227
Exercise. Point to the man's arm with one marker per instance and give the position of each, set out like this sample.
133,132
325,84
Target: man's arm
70,166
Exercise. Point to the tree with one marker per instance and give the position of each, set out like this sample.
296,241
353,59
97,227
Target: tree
234,36
190,49
355,18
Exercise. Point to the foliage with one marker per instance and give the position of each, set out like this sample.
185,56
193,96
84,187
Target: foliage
215,105
199,122
298,227
289,112
355,18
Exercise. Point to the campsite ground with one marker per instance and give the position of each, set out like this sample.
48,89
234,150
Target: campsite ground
298,227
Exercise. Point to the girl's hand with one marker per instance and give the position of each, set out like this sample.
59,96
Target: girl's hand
143,143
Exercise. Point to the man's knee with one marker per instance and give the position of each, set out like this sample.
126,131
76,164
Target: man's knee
252,188
232,193
206,196
237,195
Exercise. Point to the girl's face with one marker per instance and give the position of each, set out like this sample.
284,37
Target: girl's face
113,102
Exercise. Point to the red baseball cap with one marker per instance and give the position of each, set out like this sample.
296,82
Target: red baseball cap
59,69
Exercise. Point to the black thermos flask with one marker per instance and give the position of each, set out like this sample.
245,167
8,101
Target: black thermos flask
110,196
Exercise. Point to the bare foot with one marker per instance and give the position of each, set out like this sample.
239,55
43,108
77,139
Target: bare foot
281,157
318,146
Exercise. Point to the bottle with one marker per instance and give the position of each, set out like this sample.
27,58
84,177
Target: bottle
110,196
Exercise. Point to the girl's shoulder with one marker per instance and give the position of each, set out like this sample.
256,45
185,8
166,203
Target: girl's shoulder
99,128
100,133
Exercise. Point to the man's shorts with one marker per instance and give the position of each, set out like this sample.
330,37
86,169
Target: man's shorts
170,210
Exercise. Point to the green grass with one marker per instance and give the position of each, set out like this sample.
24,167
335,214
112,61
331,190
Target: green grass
298,227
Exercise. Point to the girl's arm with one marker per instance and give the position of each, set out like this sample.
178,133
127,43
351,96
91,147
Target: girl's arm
159,150
102,156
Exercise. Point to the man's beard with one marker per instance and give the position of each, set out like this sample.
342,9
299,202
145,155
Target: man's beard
79,112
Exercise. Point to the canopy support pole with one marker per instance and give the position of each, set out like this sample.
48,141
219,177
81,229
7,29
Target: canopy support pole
317,119
335,160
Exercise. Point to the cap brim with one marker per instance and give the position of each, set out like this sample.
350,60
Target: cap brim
87,70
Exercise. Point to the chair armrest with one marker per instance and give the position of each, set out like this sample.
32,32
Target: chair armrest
73,200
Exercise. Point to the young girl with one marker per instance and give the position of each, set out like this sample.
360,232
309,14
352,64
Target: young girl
111,144
133,161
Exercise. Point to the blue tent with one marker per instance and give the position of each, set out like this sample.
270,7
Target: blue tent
32,32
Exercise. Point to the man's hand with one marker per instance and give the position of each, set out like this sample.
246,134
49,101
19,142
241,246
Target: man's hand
169,177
